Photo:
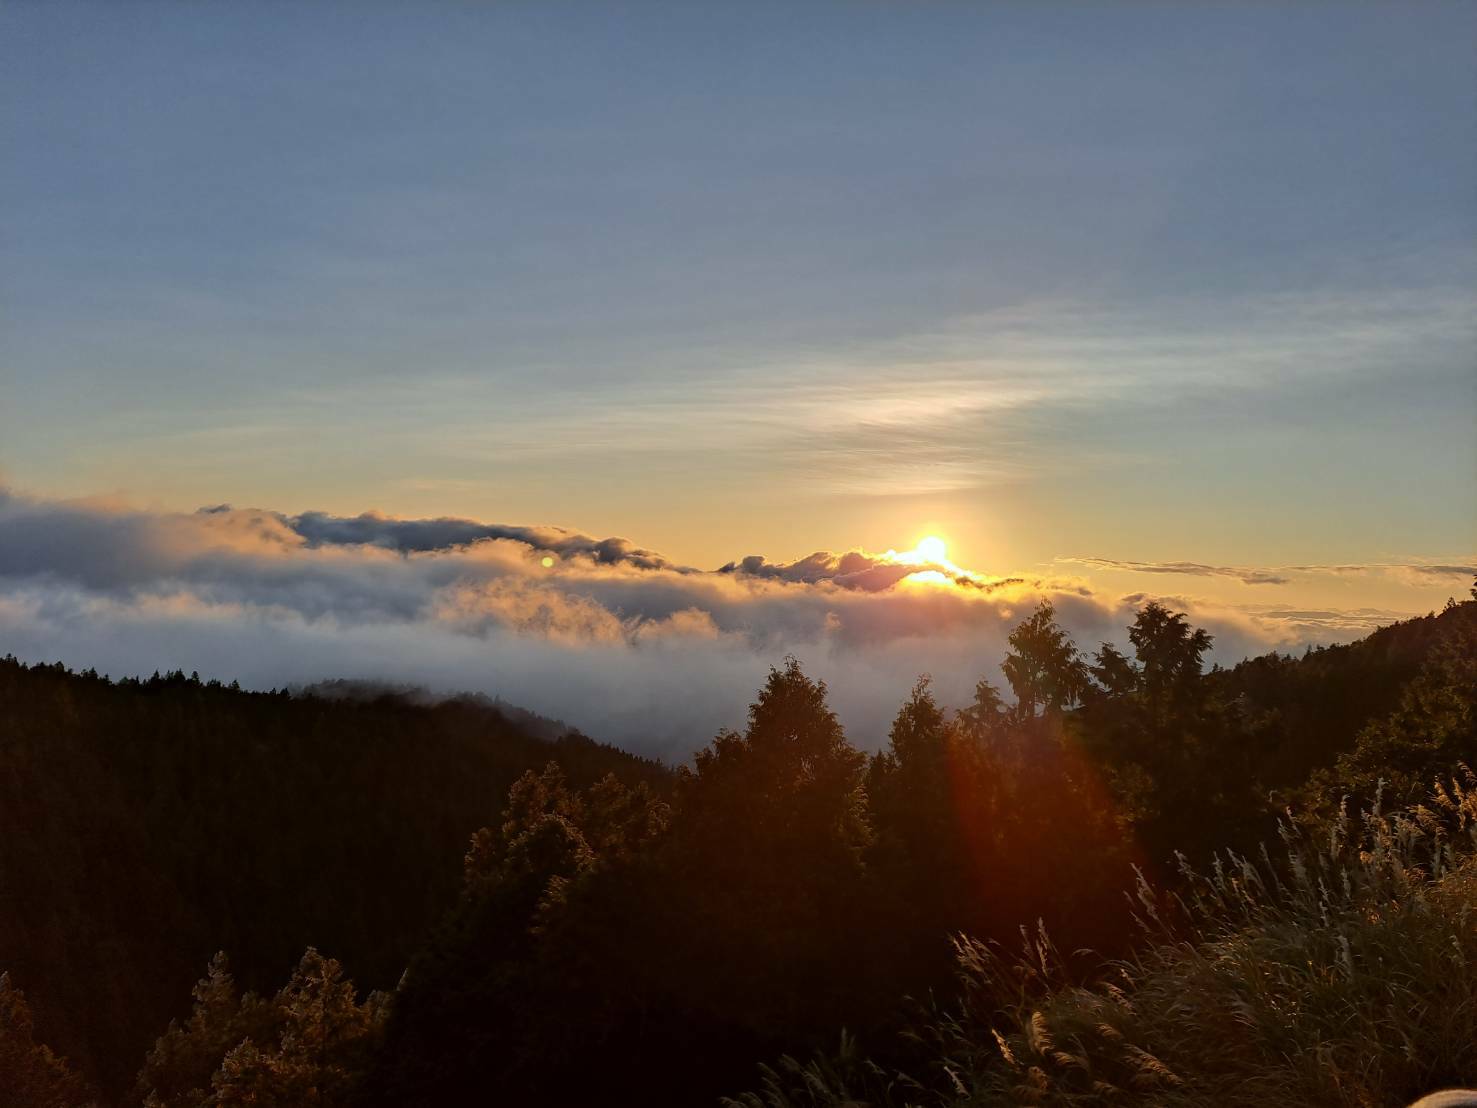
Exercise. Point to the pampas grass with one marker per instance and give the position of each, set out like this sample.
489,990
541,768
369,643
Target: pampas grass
1340,969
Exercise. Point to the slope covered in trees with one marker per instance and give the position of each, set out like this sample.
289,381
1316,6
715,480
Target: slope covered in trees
144,825
640,937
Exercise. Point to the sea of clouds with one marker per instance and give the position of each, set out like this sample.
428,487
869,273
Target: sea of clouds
611,637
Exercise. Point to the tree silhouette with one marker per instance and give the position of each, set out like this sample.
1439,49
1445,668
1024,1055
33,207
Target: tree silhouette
908,783
637,936
790,785
1114,672
1169,654
1163,745
1043,667
986,713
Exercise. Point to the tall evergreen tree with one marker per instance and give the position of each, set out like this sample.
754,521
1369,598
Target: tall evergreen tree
1043,667
1170,655
790,786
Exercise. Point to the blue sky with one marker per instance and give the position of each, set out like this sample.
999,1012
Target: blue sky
1140,282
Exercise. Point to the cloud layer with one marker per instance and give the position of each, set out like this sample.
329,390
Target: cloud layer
612,637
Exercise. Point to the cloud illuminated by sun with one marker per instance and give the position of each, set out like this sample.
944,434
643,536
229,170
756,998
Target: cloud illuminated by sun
930,551
932,548
931,554
929,577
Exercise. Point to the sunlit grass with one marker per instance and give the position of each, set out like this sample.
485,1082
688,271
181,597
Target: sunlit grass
1345,973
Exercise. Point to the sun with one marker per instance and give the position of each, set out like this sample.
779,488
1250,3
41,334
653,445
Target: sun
930,556
933,550
929,562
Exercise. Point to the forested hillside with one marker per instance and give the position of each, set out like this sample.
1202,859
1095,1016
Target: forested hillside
144,825
616,933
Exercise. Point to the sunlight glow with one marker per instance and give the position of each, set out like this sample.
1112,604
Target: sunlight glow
931,555
932,549
928,577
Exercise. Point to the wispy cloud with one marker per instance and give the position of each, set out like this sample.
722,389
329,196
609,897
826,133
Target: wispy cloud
1246,576
1421,572
977,401
1417,572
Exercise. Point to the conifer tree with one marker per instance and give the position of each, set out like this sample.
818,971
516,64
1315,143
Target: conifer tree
323,1044
178,1070
1043,666
1169,654
790,787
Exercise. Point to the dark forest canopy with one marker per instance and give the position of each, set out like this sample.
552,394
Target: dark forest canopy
505,914
144,825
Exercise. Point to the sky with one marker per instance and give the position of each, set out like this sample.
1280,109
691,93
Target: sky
1119,300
